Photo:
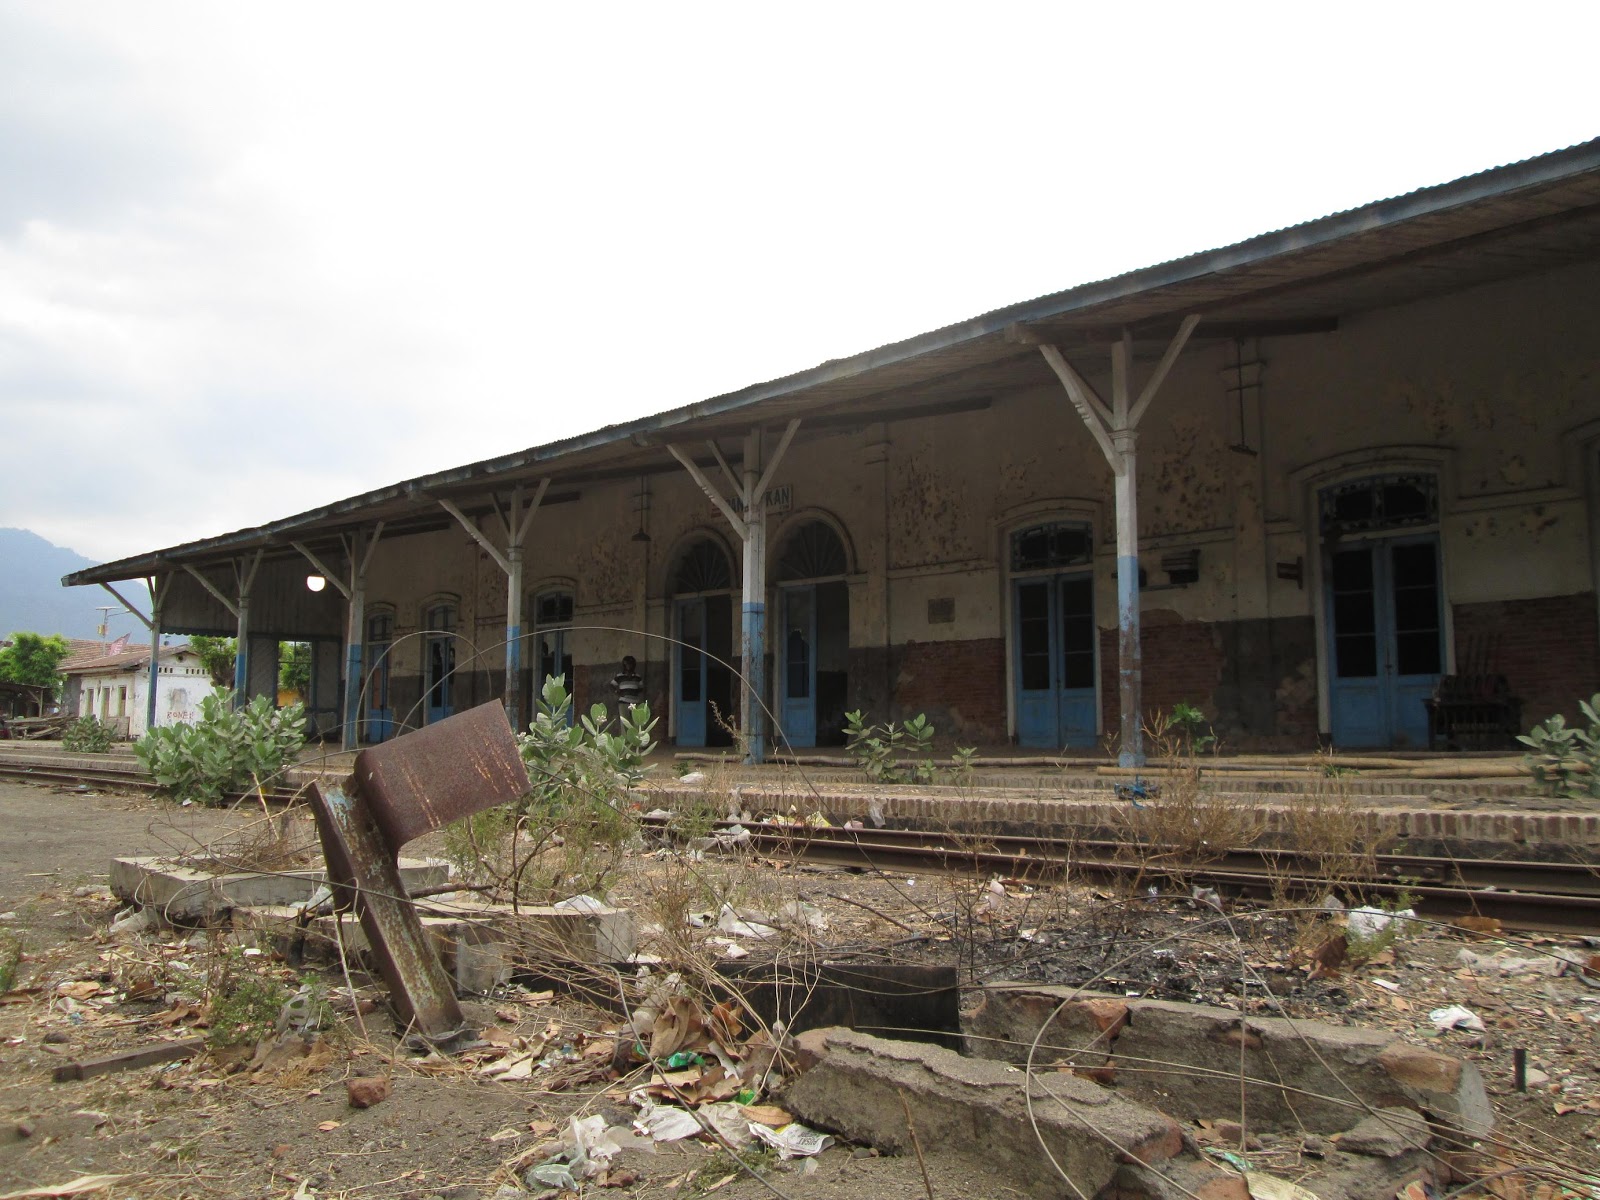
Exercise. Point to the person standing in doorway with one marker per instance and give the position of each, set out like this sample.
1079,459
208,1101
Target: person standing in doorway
629,686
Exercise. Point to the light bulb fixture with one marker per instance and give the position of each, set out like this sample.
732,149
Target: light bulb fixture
315,583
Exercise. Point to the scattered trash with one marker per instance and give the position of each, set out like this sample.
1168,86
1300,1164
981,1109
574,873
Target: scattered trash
1456,1017
729,921
1505,964
793,1140
692,778
728,948
580,904
1387,985
1368,922
135,920
663,1123
301,1012
1271,1187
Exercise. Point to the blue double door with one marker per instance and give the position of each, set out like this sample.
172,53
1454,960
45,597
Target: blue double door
1386,634
1056,660
703,702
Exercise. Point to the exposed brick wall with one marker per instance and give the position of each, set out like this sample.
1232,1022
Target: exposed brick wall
1548,649
1255,680
961,686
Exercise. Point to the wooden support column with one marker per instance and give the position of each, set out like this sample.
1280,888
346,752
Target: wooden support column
1115,429
750,524
514,522
245,575
358,550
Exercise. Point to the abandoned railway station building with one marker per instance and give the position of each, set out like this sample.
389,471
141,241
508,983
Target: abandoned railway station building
1336,484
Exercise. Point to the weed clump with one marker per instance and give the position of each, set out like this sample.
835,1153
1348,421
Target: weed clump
227,751
567,836
1564,759
88,735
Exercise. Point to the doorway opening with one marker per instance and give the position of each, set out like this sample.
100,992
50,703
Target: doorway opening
813,643
703,700
1383,596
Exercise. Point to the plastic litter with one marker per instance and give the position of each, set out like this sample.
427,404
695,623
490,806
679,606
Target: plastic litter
692,777
1369,922
793,1140
580,904
551,1174
1456,1017
663,1123
1270,1187
135,920
727,948
301,1012
729,921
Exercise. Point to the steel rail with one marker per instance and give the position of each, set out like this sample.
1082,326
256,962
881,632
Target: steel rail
1532,896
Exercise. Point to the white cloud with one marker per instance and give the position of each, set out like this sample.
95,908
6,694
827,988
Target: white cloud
304,250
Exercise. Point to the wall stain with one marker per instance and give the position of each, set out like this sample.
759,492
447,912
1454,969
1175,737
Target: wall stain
1188,480
928,513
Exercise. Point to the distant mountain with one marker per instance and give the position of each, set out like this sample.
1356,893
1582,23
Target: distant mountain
32,598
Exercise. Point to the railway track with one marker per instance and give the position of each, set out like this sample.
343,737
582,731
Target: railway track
1551,897
131,777
1534,896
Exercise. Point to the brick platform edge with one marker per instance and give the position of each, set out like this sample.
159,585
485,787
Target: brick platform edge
1415,830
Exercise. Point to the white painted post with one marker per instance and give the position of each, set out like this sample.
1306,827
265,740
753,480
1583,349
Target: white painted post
1130,653
157,595
753,647
355,642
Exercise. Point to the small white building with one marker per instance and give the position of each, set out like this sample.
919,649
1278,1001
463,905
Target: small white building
114,687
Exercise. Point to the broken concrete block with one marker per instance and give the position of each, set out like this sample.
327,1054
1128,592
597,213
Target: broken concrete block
179,893
1186,1059
1071,1027
1388,1133
977,1109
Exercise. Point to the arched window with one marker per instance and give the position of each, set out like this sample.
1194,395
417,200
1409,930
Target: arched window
702,567
812,551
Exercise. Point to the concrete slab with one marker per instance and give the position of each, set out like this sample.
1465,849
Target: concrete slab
185,894
860,1086
1186,1059
483,945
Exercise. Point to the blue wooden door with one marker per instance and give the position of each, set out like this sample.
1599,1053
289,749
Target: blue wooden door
439,663
1385,630
798,665
378,707
689,671
1055,643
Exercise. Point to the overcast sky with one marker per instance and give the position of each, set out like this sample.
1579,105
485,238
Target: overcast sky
257,258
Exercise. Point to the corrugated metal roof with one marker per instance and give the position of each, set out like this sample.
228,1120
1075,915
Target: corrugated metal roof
1490,224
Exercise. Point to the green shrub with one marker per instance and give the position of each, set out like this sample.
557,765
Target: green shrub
568,834
88,735
877,749
244,999
1564,759
226,751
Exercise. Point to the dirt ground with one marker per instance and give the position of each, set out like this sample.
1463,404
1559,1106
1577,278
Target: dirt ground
285,1128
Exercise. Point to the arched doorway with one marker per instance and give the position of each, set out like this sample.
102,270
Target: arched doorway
439,661
1055,641
813,645
701,584
1384,606
378,706
552,631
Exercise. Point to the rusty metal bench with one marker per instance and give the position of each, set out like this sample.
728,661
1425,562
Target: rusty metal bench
1474,708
